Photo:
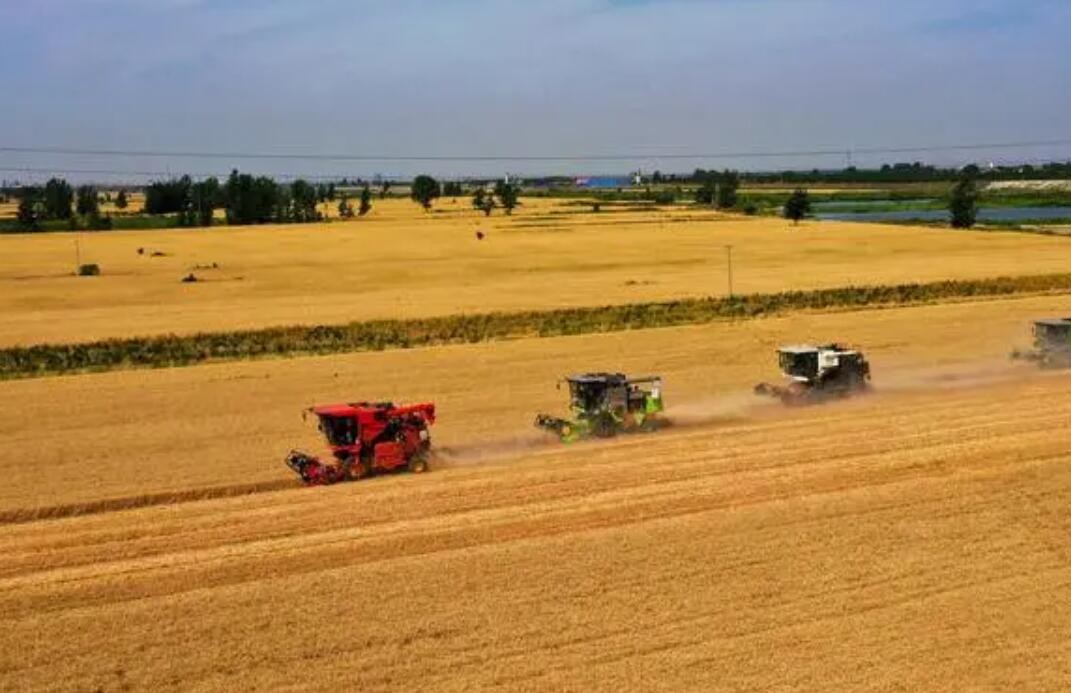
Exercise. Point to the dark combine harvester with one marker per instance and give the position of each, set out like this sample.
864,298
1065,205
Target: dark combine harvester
818,373
1052,344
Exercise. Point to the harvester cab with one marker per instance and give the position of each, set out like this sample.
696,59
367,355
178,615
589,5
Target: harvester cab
605,404
1052,344
366,437
818,373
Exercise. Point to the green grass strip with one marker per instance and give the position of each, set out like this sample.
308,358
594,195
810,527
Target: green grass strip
183,350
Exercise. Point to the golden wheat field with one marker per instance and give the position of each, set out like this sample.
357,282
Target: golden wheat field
904,541
914,539
402,262
222,427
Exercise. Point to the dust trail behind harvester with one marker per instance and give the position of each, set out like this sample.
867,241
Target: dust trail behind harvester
740,405
953,376
493,450
727,407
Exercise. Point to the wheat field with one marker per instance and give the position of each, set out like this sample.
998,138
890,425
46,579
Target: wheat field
114,438
914,539
402,262
904,541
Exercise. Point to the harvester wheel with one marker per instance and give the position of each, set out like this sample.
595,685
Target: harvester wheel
604,427
361,469
418,463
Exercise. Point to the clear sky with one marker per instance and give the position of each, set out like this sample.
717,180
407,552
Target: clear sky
546,78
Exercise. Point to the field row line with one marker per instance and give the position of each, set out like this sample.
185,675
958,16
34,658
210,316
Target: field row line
183,350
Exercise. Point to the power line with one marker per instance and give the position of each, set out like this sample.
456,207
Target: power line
74,151
161,174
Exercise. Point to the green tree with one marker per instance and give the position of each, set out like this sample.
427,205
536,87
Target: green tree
507,194
384,189
963,203
31,209
57,199
205,197
303,200
707,191
255,200
425,190
88,203
482,201
168,196
728,184
797,206
345,209
366,201
121,201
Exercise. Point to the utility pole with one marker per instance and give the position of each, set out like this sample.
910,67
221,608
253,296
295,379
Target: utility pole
77,256
729,258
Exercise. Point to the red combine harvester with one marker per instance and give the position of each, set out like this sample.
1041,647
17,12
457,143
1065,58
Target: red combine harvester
367,437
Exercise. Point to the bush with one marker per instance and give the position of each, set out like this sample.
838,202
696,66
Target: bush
665,197
89,270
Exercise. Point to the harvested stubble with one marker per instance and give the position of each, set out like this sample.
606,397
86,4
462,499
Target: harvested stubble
910,541
112,440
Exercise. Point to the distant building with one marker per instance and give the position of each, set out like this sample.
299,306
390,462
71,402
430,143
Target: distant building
602,182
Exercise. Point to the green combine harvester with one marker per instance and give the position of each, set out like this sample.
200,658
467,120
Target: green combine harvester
605,404
1052,344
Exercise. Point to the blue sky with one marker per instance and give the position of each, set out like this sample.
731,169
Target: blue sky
501,77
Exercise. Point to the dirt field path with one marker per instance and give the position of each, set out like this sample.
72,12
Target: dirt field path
902,541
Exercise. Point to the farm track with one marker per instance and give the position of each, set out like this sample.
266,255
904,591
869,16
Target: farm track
906,540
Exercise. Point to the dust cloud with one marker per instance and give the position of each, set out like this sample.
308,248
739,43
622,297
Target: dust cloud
493,450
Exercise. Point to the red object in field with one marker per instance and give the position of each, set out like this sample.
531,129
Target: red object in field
367,437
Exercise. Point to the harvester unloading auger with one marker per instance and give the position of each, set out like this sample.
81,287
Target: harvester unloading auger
605,404
1052,344
367,437
818,373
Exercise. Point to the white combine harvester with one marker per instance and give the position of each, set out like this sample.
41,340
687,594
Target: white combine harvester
818,373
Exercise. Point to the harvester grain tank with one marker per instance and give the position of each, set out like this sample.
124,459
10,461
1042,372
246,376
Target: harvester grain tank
818,373
605,404
365,438
1052,344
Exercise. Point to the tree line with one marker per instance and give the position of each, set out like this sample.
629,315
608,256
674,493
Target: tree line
58,201
245,198
425,189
